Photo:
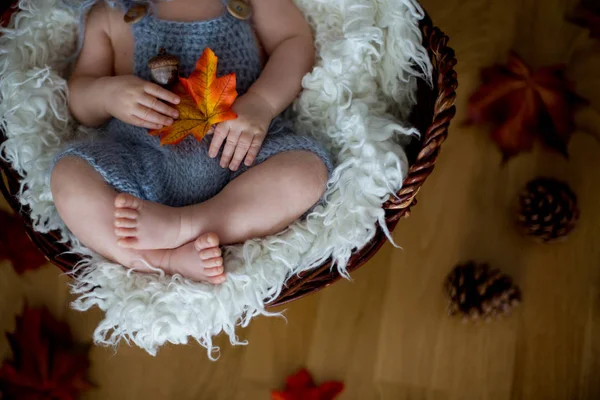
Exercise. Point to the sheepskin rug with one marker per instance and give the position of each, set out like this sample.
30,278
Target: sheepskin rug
369,57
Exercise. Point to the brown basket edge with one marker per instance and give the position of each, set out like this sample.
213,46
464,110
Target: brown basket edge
397,207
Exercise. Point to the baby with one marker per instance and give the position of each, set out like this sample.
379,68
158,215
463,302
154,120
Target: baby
144,205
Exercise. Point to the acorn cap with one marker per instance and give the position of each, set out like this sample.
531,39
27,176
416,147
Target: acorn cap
163,60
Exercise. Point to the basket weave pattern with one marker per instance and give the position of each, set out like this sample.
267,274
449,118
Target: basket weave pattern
432,115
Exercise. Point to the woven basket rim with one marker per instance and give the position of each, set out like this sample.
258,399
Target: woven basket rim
445,83
303,284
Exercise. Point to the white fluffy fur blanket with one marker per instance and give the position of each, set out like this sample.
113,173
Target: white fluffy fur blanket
369,55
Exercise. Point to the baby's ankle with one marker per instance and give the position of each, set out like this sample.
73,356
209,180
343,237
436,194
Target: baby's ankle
190,223
153,261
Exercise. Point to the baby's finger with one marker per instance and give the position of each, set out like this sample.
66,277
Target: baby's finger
154,90
144,124
157,105
241,150
254,149
230,145
147,114
221,132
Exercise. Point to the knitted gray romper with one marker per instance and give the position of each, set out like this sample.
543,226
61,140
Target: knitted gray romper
132,161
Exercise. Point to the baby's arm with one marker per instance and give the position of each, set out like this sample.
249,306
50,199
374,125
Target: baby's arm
93,67
287,40
95,95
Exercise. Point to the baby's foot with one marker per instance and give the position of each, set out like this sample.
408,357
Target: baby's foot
141,224
199,260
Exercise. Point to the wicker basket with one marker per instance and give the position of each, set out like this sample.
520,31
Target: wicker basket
432,115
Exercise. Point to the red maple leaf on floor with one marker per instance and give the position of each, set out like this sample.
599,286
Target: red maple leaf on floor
301,386
46,363
16,246
525,106
587,15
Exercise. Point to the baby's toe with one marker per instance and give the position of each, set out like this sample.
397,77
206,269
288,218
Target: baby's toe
125,200
128,242
126,223
215,271
209,253
216,279
206,241
213,262
125,232
126,213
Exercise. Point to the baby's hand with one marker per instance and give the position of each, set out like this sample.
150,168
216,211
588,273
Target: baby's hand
136,102
244,135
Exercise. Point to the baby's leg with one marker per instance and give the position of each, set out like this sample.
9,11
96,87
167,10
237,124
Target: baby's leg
262,201
86,205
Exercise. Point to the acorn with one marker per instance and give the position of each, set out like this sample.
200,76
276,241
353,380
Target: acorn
164,68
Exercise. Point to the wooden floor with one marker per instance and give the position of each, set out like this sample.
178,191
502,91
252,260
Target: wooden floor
387,334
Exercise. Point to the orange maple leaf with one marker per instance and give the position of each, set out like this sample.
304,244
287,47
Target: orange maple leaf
205,101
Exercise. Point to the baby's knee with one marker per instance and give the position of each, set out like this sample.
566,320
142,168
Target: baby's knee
320,176
67,177
313,175
60,174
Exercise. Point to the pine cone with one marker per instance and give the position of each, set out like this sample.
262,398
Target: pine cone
547,210
478,292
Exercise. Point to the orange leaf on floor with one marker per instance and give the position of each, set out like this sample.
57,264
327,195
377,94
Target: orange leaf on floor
525,106
301,386
205,101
